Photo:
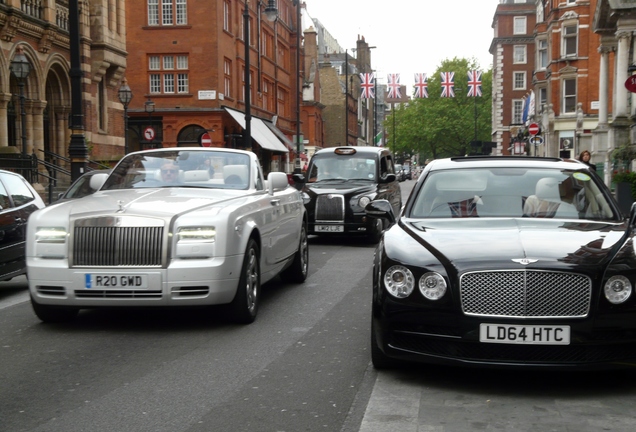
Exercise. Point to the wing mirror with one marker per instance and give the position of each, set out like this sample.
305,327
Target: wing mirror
381,209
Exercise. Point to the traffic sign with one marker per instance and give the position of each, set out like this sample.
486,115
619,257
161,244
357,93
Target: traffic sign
206,140
630,84
149,133
533,129
536,140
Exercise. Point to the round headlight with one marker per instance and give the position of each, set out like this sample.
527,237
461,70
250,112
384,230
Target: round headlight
433,286
364,201
399,281
618,289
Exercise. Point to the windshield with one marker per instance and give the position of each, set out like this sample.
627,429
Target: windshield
174,168
342,167
512,192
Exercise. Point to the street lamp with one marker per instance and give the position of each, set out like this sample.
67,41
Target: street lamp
125,96
149,107
21,67
77,149
298,138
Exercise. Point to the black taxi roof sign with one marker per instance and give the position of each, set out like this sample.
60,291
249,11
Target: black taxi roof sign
345,151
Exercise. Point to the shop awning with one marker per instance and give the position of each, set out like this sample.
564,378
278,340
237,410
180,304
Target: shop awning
261,133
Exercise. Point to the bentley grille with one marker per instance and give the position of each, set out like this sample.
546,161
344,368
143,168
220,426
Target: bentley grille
526,294
330,208
113,246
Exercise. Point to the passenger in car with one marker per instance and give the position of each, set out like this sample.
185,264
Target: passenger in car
169,172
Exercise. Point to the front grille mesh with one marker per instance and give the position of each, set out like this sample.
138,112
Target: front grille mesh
330,208
525,294
117,246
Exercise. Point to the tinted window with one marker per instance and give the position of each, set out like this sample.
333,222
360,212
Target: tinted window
4,198
20,192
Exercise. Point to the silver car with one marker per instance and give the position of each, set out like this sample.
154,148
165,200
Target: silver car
169,227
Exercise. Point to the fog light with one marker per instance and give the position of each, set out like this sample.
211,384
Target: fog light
618,289
433,286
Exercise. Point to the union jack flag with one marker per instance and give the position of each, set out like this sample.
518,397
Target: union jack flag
367,86
448,84
421,86
474,83
394,86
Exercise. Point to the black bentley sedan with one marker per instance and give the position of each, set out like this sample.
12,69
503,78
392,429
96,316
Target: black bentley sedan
506,262
340,182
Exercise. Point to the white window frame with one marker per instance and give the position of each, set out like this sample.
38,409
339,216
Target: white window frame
517,111
167,12
153,12
226,17
520,54
519,76
566,97
182,12
565,38
520,26
543,57
165,80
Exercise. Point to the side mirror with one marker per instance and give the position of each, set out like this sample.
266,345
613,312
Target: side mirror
388,178
380,209
632,215
299,178
97,181
277,181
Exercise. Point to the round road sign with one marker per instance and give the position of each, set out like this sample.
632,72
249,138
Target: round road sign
533,129
206,140
149,133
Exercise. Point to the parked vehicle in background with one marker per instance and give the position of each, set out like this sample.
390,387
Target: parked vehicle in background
18,200
169,227
82,186
399,172
507,262
407,172
340,182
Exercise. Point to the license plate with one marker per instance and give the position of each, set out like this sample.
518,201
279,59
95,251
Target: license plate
92,280
329,228
524,334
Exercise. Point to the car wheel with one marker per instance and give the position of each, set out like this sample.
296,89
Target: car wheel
376,231
244,307
378,358
54,314
297,272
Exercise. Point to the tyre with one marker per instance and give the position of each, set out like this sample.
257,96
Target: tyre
244,307
378,358
297,272
54,314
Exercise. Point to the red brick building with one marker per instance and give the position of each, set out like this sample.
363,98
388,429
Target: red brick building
188,58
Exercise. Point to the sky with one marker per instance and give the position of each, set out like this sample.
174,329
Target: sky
411,35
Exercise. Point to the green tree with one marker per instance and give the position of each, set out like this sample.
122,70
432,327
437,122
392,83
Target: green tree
436,127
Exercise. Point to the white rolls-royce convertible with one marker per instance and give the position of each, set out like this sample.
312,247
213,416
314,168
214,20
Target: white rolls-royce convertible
169,227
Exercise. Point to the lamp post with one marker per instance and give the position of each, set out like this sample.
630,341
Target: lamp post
20,67
298,137
125,96
77,150
149,107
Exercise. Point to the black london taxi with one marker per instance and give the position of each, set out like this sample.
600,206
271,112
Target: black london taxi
338,185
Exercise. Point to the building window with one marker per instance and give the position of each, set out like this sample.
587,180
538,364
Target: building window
267,45
227,21
101,105
519,54
542,53
517,111
543,98
282,96
166,16
227,72
571,1
569,96
520,26
570,40
162,78
519,81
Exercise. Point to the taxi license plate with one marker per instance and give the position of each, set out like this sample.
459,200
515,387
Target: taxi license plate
92,280
524,334
329,228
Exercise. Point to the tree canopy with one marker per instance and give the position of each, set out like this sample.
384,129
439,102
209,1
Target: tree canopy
437,127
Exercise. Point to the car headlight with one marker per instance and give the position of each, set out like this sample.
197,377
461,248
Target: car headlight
196,234
50,235
306,198
432,286
618,289
399,281
363,201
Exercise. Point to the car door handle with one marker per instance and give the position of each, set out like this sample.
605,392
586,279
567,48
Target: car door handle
275,202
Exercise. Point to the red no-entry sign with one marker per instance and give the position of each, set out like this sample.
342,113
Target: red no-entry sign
206,140
533,129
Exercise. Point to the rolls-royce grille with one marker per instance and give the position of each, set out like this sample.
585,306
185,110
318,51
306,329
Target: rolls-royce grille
117,246
330,208
525,294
